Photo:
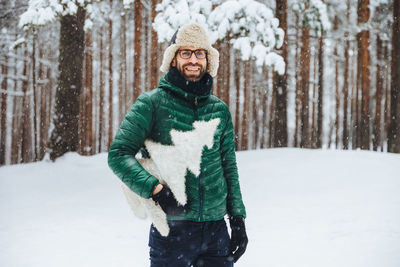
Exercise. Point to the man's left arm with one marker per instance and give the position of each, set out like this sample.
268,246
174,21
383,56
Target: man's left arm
234,200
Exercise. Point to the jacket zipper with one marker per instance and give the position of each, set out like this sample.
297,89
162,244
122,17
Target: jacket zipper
196,117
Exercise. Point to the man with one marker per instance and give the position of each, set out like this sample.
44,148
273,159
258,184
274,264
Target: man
197,231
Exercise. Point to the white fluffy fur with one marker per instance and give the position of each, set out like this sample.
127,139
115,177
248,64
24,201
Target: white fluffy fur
192,35
169,164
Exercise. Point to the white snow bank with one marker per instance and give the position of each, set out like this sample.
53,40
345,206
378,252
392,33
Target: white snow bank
306,208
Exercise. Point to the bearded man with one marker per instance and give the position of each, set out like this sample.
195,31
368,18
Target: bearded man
198,234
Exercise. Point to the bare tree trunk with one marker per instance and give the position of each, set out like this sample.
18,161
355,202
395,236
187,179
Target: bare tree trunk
345,136
123,88
264,116
154,50
43,108
298,87
337,91
16,133
245,121
305,71
65,136
3,118
364,61
16,115
219,79
320,91
227,75
314,104
86,122
26,122
394,128
237,109
356,104
138,48
102,89
280,84
35,101
387,97
255,120
110,81
379,92
271,136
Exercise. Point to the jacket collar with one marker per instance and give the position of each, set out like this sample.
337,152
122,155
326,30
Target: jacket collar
191,91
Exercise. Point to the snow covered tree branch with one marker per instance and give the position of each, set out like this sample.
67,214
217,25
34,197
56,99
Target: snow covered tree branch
249,25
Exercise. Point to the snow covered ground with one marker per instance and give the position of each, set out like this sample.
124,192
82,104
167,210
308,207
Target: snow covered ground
308,208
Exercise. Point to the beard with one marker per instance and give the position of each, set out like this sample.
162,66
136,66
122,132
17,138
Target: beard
192,76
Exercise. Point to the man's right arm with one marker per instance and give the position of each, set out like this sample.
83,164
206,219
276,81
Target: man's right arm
129,139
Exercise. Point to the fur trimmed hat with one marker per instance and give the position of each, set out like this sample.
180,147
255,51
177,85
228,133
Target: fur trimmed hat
191,35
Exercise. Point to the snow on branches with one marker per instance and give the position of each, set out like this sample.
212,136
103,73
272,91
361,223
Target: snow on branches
249,25
252,29
42,12
314,14
171,14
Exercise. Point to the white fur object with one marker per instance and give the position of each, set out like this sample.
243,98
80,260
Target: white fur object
169,164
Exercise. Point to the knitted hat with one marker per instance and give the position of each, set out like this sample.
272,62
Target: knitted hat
191,35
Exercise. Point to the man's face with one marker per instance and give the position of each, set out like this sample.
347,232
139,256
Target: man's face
193,68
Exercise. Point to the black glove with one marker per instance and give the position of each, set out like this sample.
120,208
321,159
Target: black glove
167,202
239,238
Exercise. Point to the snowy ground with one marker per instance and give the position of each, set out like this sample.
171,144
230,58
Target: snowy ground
308,208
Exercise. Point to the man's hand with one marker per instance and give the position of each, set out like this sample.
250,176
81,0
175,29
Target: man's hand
167,201
239,238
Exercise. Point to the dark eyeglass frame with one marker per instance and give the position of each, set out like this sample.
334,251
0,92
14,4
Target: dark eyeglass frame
196,53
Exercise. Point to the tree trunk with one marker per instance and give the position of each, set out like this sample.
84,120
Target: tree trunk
86,121
43,108
245,120
16,115
394,128
320,114
123,89
110,82
26,122
264,110
102,89
65,136
154,50
138,49
254,120
227,75
364,62
219,79
298,87
3,118
280,84
386,111
35,100
305,72
345,135
314,104
337,91
379,92
237,109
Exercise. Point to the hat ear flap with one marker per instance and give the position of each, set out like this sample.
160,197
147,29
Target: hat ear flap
169,55
213,61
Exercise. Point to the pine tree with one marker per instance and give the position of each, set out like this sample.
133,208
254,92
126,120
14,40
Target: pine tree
394,128
65,135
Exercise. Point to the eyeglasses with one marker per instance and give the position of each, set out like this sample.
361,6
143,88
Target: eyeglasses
187,53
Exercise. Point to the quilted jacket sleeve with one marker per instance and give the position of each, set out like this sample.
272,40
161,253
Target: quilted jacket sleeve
129,139
234,201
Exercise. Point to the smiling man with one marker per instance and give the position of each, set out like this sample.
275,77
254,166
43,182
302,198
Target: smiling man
198,234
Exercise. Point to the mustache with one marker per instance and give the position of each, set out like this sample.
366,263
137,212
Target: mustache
193,65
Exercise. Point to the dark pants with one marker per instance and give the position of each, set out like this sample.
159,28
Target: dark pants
191,244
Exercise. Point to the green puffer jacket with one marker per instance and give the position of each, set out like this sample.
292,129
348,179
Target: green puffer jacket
216,191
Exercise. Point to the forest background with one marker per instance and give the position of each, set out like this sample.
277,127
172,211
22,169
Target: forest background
306,73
